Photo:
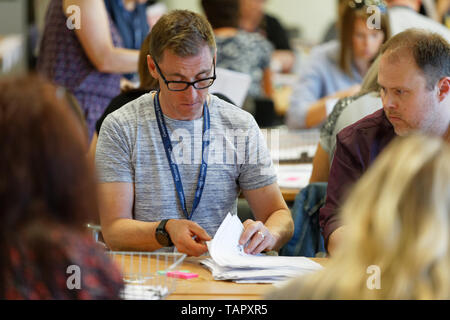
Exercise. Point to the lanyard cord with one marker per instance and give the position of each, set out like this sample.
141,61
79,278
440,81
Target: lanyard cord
174,167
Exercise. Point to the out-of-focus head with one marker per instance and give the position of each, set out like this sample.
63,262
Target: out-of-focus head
44,168
414,76
252,8
222,13
363,27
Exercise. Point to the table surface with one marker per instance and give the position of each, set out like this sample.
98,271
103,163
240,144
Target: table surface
204,287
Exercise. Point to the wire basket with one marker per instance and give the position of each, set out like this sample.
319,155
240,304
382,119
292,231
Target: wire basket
144,273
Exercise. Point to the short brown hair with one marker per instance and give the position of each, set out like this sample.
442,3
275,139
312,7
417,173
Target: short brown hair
222,13
183,32
347,28
430,51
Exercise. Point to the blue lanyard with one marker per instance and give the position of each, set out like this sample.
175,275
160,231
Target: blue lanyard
174,167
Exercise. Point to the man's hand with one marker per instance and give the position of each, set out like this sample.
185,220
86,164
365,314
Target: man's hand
259,235
334,240
188,236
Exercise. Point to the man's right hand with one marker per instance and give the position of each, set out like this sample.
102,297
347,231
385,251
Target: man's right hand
188,236
335,239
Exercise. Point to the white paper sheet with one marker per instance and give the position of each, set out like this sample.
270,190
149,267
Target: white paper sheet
234,85
229,261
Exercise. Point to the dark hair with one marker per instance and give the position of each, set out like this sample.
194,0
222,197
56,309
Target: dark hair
146,81
222,13
47,183
430,51
182,31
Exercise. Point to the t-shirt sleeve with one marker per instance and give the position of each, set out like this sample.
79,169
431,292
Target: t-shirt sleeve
257,171
113,153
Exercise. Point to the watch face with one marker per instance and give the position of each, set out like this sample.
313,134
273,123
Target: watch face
162,238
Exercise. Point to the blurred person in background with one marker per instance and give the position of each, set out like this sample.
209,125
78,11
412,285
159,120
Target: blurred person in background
48,194
403,15
253,18
336,69
81,50
130,18
414,80
239,50
146,84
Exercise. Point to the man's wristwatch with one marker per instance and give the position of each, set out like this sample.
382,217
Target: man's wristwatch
162,236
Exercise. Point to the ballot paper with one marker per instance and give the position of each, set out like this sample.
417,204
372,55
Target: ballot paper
229,261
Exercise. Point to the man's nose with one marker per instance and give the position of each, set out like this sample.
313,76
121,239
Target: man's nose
388,101
190,93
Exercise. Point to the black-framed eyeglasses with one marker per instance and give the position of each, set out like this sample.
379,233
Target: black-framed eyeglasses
183,85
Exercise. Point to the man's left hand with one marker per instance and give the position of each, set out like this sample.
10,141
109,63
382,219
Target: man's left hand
258,236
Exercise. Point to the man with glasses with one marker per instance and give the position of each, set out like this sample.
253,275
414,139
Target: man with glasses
173,162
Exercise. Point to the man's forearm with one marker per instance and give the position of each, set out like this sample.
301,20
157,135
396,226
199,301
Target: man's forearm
131,235
281,225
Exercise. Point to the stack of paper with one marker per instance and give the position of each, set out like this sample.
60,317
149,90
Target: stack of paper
229,261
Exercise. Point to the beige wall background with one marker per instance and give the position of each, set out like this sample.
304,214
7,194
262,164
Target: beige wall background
312,17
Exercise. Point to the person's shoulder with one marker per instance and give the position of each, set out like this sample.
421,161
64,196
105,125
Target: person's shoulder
366,101
122,99
134,109
372,123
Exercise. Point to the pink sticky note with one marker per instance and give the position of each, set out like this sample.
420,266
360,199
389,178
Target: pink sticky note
181,275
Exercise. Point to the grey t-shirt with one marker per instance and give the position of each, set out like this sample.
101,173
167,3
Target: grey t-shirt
130,149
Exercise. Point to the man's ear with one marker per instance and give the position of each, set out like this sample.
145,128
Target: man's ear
152,67
443,88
